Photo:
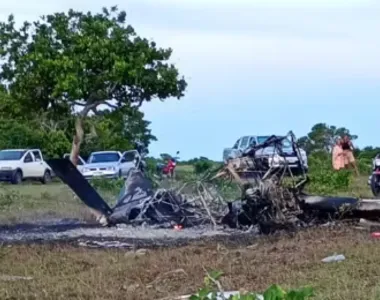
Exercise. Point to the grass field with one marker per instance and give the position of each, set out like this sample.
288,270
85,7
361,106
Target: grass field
66,272
60,272
31,202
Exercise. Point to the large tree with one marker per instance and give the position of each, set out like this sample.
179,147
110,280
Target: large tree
322,137
115,130
83,62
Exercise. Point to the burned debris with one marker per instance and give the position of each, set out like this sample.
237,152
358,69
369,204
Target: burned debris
272,194
138,203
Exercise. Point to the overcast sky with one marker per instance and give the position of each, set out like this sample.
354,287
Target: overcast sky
253,67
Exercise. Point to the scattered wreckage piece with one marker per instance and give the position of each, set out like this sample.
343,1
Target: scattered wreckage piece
305,210
345,206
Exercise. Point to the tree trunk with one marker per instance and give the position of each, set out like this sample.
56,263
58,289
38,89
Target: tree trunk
74,157
77,140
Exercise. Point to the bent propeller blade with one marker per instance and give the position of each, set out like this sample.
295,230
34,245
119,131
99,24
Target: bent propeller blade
70,175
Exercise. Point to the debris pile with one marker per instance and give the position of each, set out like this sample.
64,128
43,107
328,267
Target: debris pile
268,206
272,198
139,204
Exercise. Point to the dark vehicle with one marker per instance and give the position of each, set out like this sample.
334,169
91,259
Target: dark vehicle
374,179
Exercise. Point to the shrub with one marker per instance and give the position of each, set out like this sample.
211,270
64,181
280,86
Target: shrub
212,288
107,185
203,166
323,178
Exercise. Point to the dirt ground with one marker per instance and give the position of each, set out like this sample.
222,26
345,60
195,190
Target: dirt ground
67,272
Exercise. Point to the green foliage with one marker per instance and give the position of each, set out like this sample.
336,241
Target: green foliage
14,134
323,178
17,134
212,289
54,144
85,59
365,165
107,185
322,137
116,130
203,165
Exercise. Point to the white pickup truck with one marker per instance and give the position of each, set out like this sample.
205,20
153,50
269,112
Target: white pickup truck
17,165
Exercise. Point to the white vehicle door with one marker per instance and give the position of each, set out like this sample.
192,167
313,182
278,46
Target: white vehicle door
81,161
39,165
128,161
28,165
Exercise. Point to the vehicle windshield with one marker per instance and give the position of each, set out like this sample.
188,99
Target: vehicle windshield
11,155
262,139
286,144
104,157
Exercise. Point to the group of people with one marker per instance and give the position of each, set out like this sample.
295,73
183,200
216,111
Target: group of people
343,154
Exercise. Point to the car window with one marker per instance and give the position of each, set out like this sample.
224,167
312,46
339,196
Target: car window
262,139
37,155
28,158
236,145
252,141
244,142
286,144
104,157
129,156
11,155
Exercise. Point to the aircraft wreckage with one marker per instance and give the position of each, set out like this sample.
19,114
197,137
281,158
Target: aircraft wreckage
266,200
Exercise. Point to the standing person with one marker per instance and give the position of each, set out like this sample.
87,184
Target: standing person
348,151
338,155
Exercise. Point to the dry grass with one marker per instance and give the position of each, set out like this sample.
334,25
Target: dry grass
64,272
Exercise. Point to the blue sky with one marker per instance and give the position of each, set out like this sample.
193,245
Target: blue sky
254,67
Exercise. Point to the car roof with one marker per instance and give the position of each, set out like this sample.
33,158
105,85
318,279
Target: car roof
98,152
8,150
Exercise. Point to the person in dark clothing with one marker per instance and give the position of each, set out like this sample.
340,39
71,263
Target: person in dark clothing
348,153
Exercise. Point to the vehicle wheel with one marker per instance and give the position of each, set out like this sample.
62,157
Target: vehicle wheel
375,185
17,177
47,177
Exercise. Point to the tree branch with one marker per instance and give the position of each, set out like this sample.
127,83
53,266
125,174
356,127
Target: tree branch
111,105
90,107
79,103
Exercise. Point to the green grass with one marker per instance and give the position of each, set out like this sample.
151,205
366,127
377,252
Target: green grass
65,272
30,202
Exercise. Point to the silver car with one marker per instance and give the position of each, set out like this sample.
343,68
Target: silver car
110,164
